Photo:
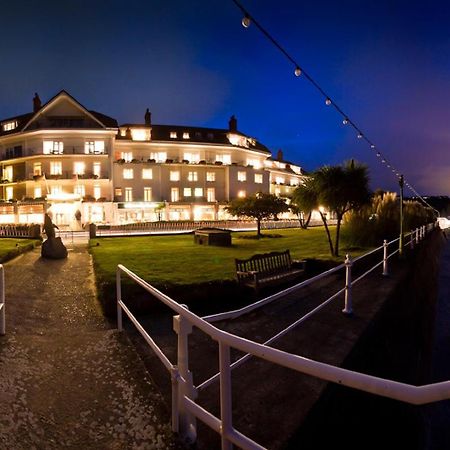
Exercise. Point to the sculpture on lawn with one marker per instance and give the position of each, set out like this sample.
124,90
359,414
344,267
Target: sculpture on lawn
52,247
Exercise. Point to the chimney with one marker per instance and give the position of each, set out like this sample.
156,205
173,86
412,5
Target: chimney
280,155
128,133
36,102
232,123
148,117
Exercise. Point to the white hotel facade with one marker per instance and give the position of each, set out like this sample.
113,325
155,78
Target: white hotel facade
85,168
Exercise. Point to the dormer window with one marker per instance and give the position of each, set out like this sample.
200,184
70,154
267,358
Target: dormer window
8,126
185,135
173,135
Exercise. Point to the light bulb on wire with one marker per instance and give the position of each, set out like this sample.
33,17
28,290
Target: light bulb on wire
360,135
297,71
246,21
328,102
345,121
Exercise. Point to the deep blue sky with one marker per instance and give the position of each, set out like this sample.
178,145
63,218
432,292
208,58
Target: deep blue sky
386,63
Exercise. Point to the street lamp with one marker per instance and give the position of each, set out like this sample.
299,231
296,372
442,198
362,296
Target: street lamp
400,244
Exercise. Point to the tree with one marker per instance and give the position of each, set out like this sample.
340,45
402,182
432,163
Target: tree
259,207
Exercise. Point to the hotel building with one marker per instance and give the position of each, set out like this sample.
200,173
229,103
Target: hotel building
84,167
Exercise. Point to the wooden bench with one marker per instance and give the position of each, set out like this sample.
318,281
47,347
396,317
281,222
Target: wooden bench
268,269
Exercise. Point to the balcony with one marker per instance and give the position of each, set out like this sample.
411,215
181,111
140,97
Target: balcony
19,152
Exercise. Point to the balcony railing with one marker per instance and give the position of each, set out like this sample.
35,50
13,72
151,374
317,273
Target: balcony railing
69,150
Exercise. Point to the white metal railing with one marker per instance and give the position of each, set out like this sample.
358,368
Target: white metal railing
2,301
185,410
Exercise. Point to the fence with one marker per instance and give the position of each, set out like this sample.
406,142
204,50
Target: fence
185,410
189,226
2,301
20,231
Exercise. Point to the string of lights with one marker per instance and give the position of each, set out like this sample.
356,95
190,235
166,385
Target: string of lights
346,120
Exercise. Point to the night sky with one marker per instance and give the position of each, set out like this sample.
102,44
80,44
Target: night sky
386,63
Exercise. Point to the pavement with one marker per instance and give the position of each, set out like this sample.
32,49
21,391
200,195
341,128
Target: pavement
68,379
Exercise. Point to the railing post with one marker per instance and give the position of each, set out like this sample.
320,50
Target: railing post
187,422
385,259
417,235
411,240
348,286
119,299
2,301
225,396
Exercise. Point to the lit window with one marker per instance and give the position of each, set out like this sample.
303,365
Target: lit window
187,192
147,194
8,126
94,147
159,156
258,178
37,169
174,175
192,157
53,147
97,192
147,174
242,176
128,174
294,182
277,192
56,190
174,194
128,194
97,169
8,173
118,192
211,194
254,162
279,180
127,156
185,135
55,168
241,194
9,193
140,135
225,159
79,168
198,192
173,135
37,192
89,147
210,176
79,189
193,176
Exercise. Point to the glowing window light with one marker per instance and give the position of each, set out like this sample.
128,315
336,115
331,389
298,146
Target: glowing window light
193,176
37,169
79,168
79,190
8,126
187,192
127,156
185,135
174,194
128,194
53,147
198,192
9,192
225,159
37,192
147,174
258,178
211,176
174,175
280,180
55,168
147,194
242,176
96,169
191,157
211,194
173,135
97,192
140,134
8,173
128,174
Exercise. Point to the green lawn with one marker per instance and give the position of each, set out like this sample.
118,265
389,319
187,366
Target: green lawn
175,259
9,247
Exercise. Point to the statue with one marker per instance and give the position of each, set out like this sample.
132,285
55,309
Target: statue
36,102
232,124
52,247
148,117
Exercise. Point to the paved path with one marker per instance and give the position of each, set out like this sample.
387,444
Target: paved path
67,379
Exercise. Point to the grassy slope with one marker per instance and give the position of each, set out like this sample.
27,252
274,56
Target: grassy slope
9,247
175,259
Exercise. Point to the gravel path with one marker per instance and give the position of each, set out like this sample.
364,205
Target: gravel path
67,378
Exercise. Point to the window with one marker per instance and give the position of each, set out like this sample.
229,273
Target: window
185,135
198,192
94,147
79,168
191,157
193,176
279,180
254,162
8,126
55,168
53,147
128,194
140,135
277,192
147,174
37,192
79,189
174,175
8,173
210,176
159,156
225,159
56,190
118,192
211,194
127,156
97,169
241,194
173,135
98,192
37,169
174,194
147,194
258,178
294,182
9,193
187,192
242,176
128,174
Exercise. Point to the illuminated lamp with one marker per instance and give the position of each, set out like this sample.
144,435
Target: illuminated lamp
372,145
345,121
328,102
360,135
297,71
246,21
